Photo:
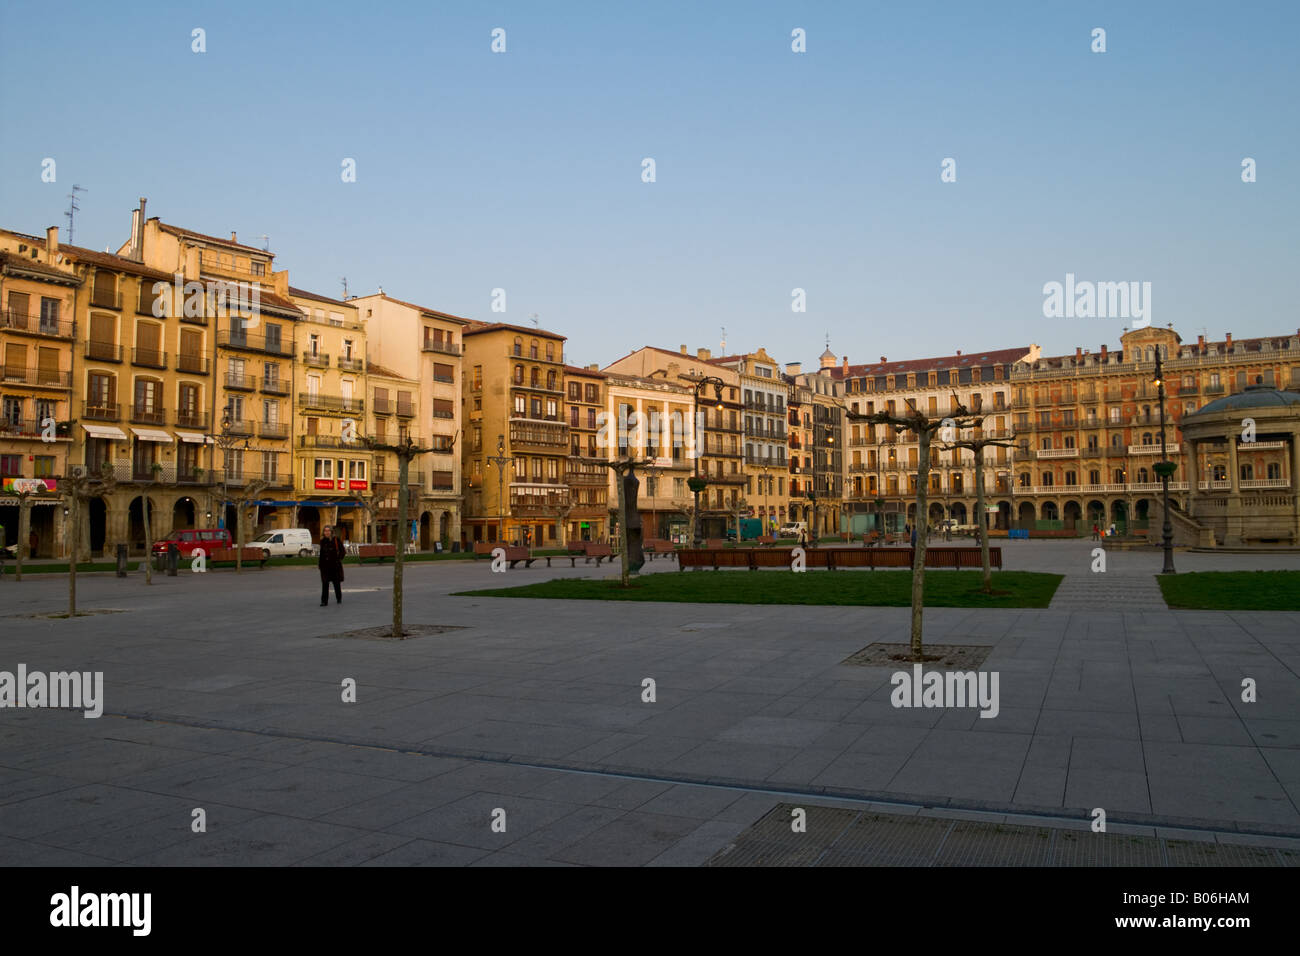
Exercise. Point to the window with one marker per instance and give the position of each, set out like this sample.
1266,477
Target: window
324,468
552,410
478,378
573,416
593,394
12,410
444,373
521,406
518,346
591,418
550,380
532,349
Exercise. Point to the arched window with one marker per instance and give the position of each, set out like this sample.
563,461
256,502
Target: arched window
532,349
519,375
1151,355
519,346
550,380
550,351
534,376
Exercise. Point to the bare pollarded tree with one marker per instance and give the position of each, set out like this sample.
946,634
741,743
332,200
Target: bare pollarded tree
925,428
78,490
406,451
977,445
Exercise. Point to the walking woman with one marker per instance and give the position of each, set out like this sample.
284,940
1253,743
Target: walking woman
331,566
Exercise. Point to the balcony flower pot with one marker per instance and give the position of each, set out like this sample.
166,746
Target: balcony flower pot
697,484
1165,469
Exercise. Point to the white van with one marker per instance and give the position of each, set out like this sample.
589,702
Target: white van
791,529
285,543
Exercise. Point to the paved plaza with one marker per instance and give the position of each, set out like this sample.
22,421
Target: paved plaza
222,692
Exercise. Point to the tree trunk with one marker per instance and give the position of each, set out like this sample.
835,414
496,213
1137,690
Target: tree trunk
922,527
982,520
24,533
148,537
399,551
239,537
622,527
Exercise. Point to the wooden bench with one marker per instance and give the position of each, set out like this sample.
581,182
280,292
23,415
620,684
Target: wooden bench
377,551
587,550
658,547
246,556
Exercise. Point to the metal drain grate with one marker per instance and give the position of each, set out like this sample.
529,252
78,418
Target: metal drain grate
839,837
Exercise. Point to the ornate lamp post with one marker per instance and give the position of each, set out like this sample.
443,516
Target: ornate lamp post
1164,468
500,459
227,443
697,482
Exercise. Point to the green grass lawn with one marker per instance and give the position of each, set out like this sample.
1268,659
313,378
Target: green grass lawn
866,588
1232,590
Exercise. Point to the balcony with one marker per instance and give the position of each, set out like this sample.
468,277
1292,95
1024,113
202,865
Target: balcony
101,412
148,415
103,351
440,413
239,427
36,377
1057,453
1153,448
197,420
530,433
275,386
105,299
405,409
273,430
1214,389
328,441
238,382
451,380
14,321
1088,398
445,348
1188,389
331,403
315,360
1020,403
29,429
537,500
1114,395
200,319
1247,483
148,358
382,406
192,362
352,364
250,342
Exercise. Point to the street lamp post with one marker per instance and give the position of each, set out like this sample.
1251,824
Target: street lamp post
227,443
1166,469
698,483
500,459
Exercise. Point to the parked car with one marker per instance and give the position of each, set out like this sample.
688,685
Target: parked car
187,539
285,543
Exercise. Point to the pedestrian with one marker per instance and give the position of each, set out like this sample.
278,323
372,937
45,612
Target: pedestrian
1111,532
330,563
914,536
1096,532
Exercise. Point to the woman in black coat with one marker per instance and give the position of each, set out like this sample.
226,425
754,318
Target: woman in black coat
331,566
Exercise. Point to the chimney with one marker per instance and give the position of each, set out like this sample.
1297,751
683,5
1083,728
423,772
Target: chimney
1103,353
1200,345
1078,356
137,232
846,365
703,354
883,360
959,353
232,236
1227,346
793,368
683,349
51,242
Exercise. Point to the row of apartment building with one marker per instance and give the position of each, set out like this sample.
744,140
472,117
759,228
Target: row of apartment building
188,367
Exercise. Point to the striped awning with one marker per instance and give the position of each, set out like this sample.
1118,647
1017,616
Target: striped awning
104,431
152,434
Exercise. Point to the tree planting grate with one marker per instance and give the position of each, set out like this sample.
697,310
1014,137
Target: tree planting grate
840,837
385,632
958,656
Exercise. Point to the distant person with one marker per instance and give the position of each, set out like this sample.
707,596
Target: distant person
914,536
330,564
1096,533
1111,532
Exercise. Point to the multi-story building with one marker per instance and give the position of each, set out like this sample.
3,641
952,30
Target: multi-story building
816,430
514,393
588,518
882,464
38,298
714,441
1088,425
650,420
422,395
236,323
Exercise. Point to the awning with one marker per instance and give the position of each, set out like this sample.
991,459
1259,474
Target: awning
194,438
152,434
104,431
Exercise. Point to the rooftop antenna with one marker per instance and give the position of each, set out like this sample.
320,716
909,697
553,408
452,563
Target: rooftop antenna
345,288
73,207
533,317
266,242
724,340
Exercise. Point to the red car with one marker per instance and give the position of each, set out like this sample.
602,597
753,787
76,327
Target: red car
187,539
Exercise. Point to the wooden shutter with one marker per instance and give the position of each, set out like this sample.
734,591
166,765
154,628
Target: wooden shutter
15,361
47,366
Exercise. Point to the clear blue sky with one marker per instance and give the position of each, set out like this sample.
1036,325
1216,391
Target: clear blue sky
775,170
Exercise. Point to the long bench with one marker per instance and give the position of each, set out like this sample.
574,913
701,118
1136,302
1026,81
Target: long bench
587,550
377,551
658,547
832,558
484,549
246,556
